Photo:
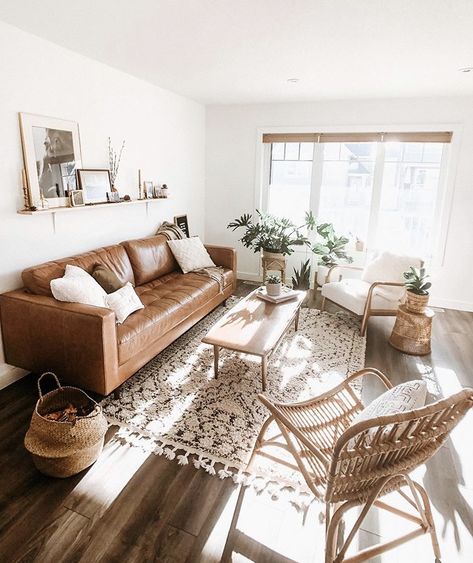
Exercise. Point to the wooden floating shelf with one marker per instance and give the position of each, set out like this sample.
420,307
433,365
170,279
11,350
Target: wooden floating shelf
53,210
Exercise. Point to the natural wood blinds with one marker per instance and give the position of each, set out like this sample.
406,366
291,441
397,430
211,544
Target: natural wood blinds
409,137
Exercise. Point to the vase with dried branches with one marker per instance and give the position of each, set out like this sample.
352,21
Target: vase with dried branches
114,158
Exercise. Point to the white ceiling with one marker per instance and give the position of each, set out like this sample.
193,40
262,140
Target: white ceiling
243,51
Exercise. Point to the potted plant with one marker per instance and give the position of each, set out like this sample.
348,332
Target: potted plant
417,295
301,277
275,236
273,285
331,250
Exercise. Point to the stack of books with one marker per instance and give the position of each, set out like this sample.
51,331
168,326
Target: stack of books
286,294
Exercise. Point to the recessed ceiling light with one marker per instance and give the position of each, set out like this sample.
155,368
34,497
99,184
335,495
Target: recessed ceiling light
466,69
293,80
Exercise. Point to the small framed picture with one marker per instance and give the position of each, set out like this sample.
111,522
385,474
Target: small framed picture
95,184
148,189
181,222
77,198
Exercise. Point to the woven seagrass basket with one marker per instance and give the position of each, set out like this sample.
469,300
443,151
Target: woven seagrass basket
62,449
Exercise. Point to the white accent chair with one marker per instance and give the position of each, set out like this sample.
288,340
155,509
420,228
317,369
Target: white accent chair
378,292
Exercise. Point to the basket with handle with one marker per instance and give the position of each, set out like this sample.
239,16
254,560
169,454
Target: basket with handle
62,449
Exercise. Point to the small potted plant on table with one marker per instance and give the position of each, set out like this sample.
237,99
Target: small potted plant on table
273,285
417,295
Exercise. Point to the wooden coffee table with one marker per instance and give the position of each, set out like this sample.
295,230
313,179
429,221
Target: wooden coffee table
254,327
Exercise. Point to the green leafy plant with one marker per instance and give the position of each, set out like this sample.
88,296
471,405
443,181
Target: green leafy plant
273,278
415,281
301,277
273,234
332,248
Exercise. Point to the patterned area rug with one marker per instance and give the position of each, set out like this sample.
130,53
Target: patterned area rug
173,406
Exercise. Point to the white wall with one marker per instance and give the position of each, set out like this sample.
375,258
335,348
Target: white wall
165,137
232,156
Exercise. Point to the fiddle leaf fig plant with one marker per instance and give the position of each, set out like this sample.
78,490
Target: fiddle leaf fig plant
332,248
271,233
415,281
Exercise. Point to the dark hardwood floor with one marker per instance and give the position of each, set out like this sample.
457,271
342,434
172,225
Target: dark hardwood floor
135,507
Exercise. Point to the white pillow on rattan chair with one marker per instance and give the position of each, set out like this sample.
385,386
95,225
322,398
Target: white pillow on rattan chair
404,397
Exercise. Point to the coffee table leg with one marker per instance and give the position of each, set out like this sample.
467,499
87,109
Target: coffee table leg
296,320
216,356
264,370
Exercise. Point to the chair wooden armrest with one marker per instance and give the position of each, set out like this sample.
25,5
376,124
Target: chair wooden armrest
335,266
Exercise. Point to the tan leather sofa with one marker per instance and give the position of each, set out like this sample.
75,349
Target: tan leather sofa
83,344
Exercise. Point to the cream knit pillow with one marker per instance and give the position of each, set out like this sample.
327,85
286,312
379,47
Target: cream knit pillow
190,254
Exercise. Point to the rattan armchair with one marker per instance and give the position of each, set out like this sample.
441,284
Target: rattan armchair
348,465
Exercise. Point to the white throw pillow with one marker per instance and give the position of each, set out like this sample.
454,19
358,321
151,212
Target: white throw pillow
389,267
75,271
404,397
75,287
123,302
190,254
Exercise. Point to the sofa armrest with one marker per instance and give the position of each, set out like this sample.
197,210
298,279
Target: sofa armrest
77,342
224,256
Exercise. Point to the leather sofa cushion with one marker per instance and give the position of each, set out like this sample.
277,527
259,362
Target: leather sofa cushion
168,301
38,278
150,258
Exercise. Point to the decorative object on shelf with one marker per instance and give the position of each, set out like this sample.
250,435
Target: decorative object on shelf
113,197
26,193
126,197
273,285
141,194
412,331
44,202
114,160
51,152
164,191
95,183
77,198
156,191
275,235
181,222
60,446
301,277
417,295
148,190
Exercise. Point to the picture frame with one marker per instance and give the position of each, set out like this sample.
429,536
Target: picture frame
148,190
182,223
76,198
95,183
51,155
113,197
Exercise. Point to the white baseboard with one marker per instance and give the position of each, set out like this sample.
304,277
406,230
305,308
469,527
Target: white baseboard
248,276
10,374
452,304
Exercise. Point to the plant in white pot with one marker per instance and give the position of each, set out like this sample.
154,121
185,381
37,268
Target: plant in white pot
273,285
417,295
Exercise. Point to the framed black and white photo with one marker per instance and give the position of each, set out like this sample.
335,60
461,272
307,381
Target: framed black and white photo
181,222
77,198
95,183
52,154
148,189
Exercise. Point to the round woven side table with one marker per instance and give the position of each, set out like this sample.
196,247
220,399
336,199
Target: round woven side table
412,332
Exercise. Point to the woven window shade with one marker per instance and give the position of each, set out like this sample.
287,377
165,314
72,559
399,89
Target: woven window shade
407,137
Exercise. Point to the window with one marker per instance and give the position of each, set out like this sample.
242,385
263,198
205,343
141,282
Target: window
383,194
